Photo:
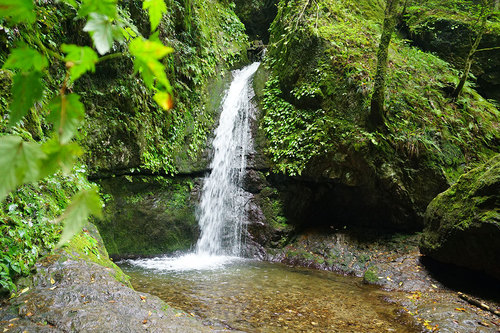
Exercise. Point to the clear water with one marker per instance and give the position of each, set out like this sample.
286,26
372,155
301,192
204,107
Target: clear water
257,296
222,204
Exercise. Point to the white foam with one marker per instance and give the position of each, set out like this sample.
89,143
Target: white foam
188,262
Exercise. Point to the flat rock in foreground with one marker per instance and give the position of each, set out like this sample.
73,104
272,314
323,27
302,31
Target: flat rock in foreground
75,295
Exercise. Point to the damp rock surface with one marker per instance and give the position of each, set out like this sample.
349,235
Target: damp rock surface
69,294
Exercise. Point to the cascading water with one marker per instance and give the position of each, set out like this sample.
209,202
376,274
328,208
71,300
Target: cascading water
222,206
222,201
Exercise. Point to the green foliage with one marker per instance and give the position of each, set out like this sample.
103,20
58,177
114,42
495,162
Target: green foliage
25,59
103,7
27,230
101,29
66,113
79,60
24,161
156,9
20,162
27,89
17,10
147,54
84,203
322,60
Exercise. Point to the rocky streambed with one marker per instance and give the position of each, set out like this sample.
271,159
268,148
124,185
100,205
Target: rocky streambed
434,295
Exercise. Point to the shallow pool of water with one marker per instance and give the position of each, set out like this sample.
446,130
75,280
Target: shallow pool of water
256,296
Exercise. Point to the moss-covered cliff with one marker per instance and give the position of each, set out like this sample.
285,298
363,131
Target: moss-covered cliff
322,62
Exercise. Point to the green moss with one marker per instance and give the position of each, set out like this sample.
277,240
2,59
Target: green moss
88,245
150,215
370,275
468,214
322,61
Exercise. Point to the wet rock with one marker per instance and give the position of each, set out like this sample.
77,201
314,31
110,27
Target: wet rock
70,293
462,224
254,181
149,215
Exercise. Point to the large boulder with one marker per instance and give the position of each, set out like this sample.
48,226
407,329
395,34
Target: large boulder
462,224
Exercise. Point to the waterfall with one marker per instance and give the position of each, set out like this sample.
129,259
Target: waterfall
222,204
222,210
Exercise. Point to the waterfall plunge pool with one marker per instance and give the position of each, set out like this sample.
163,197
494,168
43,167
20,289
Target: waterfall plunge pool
255,296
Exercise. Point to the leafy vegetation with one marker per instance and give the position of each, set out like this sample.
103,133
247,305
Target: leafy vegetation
61,77
26,161
322,69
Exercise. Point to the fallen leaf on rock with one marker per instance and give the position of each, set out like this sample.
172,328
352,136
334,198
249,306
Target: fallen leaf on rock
460,309
434,286
483,324
52,281
145,321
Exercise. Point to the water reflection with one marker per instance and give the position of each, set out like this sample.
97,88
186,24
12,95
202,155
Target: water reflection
263,297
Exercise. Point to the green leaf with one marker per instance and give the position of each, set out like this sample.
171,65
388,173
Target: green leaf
19,163
147,53
83,204
19,11
59,157
156,9
27,89
79,60
25,59
101,30
164,100
100,7
67,114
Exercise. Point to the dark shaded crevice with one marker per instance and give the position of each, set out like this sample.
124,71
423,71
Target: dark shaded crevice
329,205
463,280
257,16
148,173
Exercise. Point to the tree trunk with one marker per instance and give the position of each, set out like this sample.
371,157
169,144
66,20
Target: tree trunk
377,112
470,56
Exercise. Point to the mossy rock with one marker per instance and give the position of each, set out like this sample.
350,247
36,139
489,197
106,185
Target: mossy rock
462,224
148,215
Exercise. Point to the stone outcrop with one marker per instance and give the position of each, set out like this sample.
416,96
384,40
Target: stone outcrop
462,224
78,289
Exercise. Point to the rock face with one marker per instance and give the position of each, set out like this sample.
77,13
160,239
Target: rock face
149,215
462,224
71,292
